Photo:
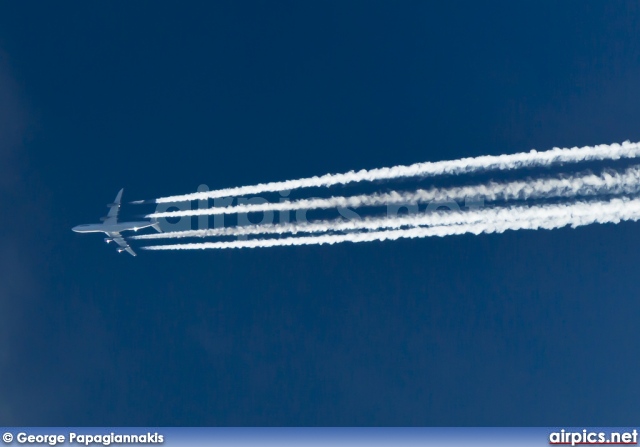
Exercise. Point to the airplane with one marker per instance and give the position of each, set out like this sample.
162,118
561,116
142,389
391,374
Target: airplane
112,228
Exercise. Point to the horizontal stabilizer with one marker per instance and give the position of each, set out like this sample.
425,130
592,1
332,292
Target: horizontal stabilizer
142,202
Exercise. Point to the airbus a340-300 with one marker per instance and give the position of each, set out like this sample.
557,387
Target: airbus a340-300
112,228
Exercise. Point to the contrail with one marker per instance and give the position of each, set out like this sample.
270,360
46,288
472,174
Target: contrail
575,214
585,184
461,166
436,218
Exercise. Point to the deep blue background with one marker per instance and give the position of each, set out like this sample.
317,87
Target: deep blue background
522,328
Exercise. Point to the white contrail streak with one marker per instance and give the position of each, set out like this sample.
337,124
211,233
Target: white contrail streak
568,186
437,218
575,214
461,166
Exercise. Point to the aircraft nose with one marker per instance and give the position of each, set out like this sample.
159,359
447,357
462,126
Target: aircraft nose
75,229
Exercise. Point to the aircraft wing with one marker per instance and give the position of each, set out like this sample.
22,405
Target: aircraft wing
112,216
118,239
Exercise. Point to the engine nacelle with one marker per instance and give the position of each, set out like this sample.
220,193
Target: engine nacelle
107,240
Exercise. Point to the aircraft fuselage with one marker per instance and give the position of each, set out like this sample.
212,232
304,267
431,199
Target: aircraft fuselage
111,227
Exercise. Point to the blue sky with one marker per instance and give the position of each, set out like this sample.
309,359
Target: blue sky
526,328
